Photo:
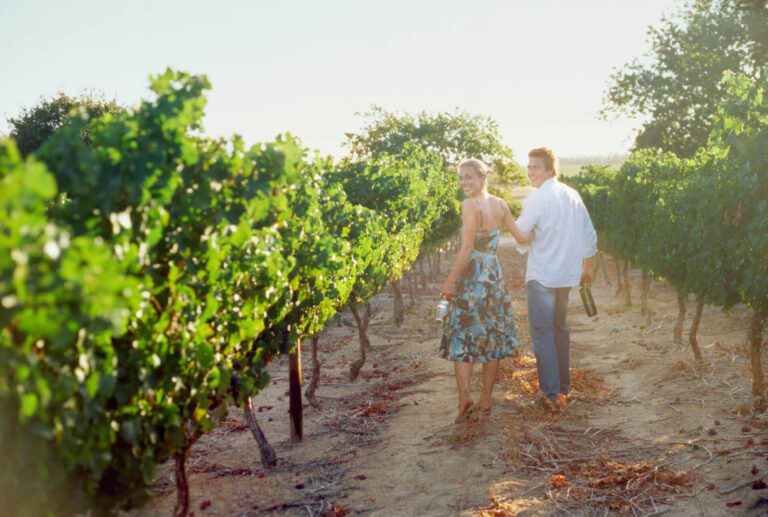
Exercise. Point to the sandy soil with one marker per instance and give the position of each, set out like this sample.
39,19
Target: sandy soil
647,430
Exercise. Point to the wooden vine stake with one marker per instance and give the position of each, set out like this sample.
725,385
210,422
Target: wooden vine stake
411,275
399,308
627,289
678,330
645,286
619,284
602,266
755,338
182,487
294,380
309,393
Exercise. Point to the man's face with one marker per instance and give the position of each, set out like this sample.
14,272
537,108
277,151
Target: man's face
537,172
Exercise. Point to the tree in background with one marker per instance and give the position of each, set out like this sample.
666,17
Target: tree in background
453,136
33,126
676,86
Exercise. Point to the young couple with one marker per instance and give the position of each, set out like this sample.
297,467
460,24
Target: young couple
480,324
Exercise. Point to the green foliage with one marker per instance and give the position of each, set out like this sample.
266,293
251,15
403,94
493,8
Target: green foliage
410,197
149,284
329,240
649,211
198,226
33,126
593,183
64,298
676,87
452,136
699,223
741,133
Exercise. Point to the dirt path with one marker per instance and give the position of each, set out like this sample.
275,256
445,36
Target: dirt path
646,430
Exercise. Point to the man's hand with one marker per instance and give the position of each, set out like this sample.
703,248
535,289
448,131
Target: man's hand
588,271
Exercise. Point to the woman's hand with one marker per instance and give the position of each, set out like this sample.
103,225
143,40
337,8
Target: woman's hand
449,287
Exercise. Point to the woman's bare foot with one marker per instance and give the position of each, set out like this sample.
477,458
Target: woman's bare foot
485,405
464,406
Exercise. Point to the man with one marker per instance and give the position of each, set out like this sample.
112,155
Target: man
561,255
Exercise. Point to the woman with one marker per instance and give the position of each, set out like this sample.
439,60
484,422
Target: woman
480,325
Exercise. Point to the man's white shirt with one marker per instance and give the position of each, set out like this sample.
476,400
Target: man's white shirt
563,234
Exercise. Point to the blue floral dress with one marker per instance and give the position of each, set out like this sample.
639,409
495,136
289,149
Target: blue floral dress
480,325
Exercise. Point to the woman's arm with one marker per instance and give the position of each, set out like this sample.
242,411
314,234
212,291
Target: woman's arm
469,228
509,223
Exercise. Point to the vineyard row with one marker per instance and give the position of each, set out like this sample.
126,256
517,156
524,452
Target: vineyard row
148,275
701,223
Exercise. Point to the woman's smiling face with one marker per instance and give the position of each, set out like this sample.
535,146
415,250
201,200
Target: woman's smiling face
471,182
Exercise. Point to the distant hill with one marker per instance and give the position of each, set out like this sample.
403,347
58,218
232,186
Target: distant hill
570,165
601,159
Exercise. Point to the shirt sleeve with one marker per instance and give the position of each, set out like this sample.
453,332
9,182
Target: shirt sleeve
590,236
529,216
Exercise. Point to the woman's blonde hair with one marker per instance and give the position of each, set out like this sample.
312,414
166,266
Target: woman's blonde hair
479,166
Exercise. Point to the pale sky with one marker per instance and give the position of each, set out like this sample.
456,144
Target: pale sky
538,67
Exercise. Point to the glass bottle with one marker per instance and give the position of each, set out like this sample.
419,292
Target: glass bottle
586,297
442,309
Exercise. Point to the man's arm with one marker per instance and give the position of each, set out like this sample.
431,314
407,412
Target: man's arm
590,249
588,271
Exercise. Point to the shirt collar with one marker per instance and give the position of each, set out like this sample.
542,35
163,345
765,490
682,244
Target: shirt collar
549,183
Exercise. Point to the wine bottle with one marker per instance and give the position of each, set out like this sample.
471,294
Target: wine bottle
586,297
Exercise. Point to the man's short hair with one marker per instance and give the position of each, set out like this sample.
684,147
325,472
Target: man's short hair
546,154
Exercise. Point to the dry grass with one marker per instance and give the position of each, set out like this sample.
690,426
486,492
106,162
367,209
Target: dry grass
584,470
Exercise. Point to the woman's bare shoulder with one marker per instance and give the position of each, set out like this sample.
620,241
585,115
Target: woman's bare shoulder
498,201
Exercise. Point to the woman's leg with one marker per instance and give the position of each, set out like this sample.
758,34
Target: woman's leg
490,370
463,374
